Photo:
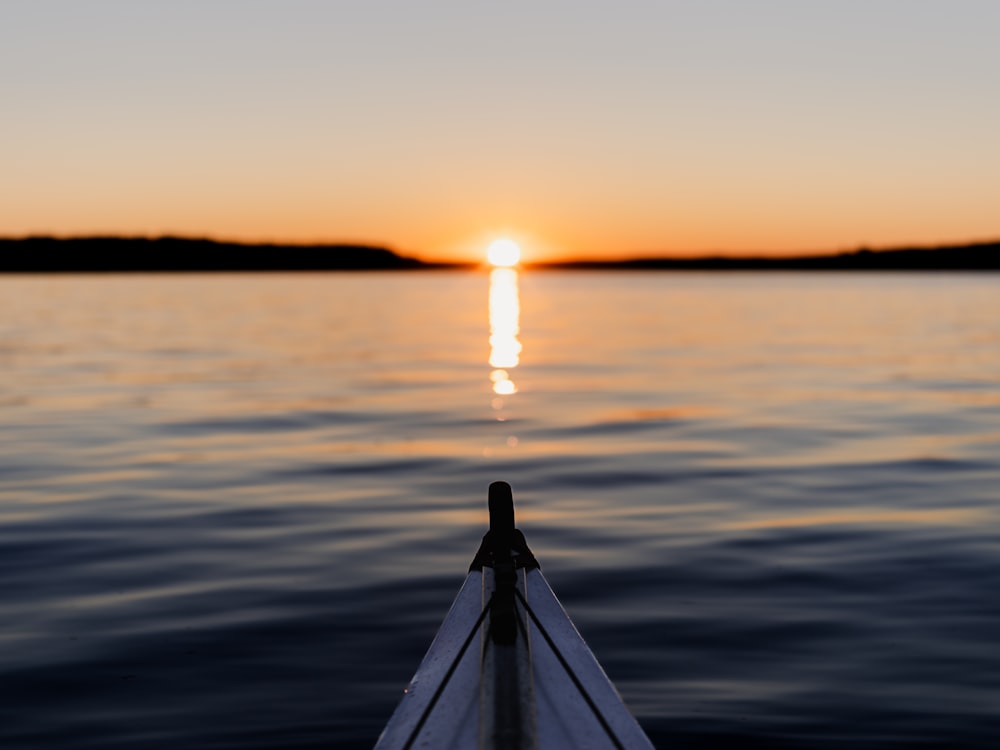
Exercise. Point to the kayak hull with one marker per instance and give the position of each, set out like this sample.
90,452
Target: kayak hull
545,689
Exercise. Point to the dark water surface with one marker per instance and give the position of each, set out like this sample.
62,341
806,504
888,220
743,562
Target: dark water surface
234,509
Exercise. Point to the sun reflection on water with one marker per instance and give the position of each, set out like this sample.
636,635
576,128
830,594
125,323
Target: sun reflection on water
505,311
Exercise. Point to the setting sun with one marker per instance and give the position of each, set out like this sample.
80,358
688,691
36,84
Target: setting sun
503,253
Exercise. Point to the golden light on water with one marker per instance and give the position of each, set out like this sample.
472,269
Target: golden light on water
503,253
505,313
502,384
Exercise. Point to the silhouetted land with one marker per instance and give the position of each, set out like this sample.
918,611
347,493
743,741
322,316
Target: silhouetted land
983,256
114,254
111,254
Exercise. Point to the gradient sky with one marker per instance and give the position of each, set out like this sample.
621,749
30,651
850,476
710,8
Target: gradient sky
579,128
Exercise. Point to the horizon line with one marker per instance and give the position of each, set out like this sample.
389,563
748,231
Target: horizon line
684,257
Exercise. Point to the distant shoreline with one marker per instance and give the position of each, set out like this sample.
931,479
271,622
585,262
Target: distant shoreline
180,254
984,256
177,254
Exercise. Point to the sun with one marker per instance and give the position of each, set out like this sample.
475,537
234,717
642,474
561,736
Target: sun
503,253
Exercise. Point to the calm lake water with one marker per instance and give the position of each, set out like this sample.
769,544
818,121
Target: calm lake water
235,508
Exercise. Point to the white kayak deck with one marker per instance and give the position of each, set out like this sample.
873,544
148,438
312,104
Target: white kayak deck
545,691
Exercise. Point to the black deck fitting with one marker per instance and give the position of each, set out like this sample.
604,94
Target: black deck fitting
503,543
501,501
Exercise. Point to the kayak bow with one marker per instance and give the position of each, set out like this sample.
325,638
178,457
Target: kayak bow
507,669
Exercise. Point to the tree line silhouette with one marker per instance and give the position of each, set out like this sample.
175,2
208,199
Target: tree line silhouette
983,256
107,254
42,254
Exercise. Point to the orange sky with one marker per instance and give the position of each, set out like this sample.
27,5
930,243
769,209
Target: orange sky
580,131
